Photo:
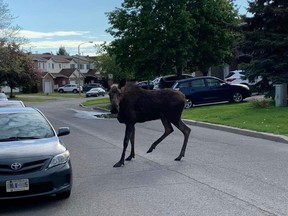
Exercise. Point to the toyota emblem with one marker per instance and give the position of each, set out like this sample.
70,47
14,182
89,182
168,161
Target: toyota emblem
16,166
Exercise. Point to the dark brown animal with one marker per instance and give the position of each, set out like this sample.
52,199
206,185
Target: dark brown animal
134,104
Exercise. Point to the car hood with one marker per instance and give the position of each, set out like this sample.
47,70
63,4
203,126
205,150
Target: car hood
31,148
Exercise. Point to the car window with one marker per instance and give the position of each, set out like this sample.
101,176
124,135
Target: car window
213,82
183,85
198,83
24,125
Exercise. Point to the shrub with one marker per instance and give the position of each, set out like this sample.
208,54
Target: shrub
262,103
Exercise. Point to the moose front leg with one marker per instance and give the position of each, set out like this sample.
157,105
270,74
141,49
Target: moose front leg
128,132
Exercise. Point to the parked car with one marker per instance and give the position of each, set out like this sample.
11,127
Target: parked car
87,87
238,77
201,90
11,103
95,92
74,88
145,85
169,80
33,161
3,97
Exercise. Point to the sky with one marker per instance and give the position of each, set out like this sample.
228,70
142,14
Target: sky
72,24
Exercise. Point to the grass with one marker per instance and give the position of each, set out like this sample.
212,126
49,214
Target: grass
41,97
257,115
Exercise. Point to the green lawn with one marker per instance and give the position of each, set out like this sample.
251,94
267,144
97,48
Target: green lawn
244,115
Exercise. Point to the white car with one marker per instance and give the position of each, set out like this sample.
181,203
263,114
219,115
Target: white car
238,77
74,88
95,92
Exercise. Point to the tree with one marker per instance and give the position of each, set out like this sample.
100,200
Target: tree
16,67
266,40
158,36
62,51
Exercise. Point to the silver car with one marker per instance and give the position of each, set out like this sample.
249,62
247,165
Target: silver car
33,161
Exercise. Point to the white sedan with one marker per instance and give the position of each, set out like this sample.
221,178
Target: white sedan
95,92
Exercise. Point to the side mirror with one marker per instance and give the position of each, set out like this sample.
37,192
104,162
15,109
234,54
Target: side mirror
62,131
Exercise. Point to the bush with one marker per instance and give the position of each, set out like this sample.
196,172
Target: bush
262,103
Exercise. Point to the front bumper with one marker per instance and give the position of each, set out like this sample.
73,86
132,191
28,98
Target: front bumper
41,183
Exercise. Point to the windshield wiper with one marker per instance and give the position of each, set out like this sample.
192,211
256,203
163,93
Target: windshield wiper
15,138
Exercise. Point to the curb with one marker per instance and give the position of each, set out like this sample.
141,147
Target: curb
261,135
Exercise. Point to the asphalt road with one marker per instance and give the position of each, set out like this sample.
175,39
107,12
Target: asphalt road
222,173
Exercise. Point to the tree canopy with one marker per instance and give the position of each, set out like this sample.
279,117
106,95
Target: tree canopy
158,37
16,68
62,51
266,40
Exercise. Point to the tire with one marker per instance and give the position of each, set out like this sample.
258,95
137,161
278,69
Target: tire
75,91
103,94
61,91
63,195
188,104
237,97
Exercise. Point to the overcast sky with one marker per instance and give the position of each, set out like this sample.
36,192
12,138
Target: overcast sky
54,23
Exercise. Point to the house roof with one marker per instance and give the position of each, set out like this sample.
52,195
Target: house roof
67,71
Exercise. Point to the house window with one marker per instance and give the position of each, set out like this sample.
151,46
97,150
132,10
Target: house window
72,65
87,66
81,66
43,65
60,66
49,65
52,65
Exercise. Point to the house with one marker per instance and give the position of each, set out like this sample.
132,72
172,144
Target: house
58,70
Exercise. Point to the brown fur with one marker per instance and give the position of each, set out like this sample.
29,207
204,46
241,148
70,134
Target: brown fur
134,104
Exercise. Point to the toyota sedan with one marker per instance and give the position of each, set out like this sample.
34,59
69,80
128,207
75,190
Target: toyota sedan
33,161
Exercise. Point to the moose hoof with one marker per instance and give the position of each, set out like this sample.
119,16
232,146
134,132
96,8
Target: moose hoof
129,158
150,150
178,158
119,164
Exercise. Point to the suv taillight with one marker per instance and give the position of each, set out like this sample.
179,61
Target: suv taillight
230,79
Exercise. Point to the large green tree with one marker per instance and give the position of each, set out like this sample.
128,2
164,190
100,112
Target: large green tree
266,40
154,37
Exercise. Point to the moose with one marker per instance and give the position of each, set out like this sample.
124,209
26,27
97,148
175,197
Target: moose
132,104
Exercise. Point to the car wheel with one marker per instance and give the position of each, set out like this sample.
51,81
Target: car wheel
237,97
74,91
61,91
188,104
103,94
63,195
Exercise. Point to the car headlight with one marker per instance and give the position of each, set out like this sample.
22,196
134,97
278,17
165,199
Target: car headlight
59,159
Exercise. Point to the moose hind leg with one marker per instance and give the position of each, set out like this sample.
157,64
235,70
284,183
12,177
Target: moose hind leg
186,131
168,129
128,133
132,141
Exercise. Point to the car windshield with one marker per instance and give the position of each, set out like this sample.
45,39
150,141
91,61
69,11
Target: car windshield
20,126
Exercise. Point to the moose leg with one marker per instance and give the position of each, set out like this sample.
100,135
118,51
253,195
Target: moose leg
132,141
186,131
128,133
168,129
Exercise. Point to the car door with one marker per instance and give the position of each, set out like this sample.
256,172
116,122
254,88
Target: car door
198,91
217,90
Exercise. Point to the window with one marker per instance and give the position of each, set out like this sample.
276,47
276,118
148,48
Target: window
60,66
87,66
213,82
52,65
72,65
184,85
198,83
